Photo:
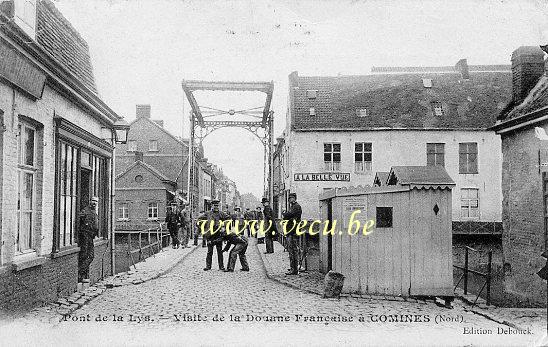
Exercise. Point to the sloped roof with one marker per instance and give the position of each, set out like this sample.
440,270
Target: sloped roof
380,178
399,101
419,175
154,123
146,166
59,38
536,100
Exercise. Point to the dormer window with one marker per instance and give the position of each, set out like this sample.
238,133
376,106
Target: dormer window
437,109
361,112
427,82
312,111
311,94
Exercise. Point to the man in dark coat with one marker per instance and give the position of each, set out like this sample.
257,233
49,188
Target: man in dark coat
184,225
214,239
239,249
172,221
89,228
270,233
292,219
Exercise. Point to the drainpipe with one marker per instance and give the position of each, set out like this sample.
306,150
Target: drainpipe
112,215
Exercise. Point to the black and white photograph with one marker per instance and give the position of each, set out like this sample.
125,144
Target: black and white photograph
273,173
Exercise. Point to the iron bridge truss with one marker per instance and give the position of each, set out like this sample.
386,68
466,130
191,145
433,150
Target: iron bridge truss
262,128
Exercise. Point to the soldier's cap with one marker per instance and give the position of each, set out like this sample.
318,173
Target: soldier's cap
96,199
264,200
293,195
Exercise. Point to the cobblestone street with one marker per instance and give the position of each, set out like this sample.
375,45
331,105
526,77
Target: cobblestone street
181,306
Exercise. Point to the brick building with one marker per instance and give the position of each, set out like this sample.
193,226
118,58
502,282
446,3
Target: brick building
355,126
524,180
56,152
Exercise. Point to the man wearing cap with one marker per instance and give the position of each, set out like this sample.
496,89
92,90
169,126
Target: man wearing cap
214,239
89,228
237,216
239,249
292,218
172,221
270,232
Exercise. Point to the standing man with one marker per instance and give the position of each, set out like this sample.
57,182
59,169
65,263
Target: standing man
259,213
184,225
89,228
248,216
213,239
237,216
271,232
172,221
292,219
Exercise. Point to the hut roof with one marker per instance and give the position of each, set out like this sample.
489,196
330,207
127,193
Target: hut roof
380,178
419,176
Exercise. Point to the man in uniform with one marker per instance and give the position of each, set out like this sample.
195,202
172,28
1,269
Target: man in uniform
172,221
248,216
237,216
213,239
270,233
292,218
240,246
89,228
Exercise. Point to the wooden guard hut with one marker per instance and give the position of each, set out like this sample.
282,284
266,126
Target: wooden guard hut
409,251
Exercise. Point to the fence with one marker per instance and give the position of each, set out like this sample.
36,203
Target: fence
466,271
141,244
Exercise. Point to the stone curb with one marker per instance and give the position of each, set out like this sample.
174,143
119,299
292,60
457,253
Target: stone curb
65,306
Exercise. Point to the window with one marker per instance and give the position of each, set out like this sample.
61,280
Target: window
469,203
25,187
468,158
312,111
132,146
153,146
438,110
361,112
435,154
67,201
427,82
384,217
332,156
153,210
362,156
311,94
123,212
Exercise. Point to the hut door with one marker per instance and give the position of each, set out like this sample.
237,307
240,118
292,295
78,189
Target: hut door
329,236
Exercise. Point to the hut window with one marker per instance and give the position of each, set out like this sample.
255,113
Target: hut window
435,154
469,203
362,156
468,158
384,217
332,156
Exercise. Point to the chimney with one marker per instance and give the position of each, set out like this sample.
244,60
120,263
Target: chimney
142,111
527,68
138,156
462,67
159,122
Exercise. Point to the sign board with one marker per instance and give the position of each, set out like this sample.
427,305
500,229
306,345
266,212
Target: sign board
329,176
18,70
351,204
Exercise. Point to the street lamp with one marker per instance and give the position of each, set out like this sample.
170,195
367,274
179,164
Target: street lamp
121,127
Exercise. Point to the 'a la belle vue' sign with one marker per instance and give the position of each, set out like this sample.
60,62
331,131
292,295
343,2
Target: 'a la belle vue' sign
335,176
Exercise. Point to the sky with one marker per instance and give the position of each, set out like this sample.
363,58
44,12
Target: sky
143,49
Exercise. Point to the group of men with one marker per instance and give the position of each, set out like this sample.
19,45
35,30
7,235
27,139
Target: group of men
215,240
178,224
215,220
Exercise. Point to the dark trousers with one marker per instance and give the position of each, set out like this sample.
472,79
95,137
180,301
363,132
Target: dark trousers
293,249
238,250
173,232
269,241
209,256
85,257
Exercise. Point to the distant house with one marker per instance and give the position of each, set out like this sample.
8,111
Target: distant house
380,179
56,150
143,194
342,130
522,126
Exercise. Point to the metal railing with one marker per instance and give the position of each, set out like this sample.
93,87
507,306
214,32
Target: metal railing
143,251
486,275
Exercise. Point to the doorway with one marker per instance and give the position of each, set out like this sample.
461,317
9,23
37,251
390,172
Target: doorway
85,187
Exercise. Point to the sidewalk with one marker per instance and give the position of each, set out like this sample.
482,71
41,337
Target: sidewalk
146,270
277,264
